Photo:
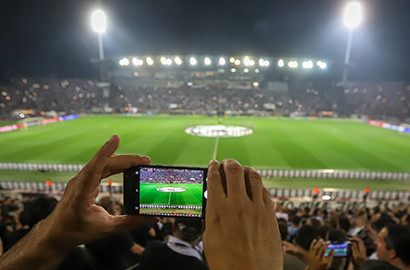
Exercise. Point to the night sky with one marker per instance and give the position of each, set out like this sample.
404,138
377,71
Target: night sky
53,38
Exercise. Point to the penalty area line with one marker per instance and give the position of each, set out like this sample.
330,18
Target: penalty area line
215,147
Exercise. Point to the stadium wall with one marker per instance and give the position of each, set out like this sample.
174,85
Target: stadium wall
266,173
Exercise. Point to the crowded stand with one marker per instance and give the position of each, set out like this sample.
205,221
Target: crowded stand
389,102
377,237
154,175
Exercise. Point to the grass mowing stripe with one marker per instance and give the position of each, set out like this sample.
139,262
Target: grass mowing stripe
290,148
357,152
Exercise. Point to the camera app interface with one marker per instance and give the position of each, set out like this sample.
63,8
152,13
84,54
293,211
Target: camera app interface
177,192
340,249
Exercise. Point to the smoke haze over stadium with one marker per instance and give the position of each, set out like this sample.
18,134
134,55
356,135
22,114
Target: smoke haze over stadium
54,39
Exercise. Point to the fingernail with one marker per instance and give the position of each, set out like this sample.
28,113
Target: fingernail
212,161
146,157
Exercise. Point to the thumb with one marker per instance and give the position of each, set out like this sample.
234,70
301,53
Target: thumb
125,223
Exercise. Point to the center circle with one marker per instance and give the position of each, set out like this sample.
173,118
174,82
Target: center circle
171,189
219,131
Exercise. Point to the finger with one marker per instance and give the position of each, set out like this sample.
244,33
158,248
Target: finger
256,186
235,179
216,193
322,250
119,163
317,245
331,255
90,176
312,245
267,200
126,223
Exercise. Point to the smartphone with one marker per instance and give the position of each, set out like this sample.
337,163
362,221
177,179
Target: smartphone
170,191
341,249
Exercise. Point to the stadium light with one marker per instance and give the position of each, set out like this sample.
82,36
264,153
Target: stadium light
192,61
352,19
137,62
149,61
207,61
281,63
99,25
178,61
237,62
222,61
353,15
248,62
124,62
321,64
293,64
246,70
263,62
307,64
232,60
233,70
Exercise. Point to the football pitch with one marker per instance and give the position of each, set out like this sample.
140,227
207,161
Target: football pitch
192,194
276,143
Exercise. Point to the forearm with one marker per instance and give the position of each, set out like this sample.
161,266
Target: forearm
35,251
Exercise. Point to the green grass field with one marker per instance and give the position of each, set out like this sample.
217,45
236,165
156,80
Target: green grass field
191,196
150,195
276,143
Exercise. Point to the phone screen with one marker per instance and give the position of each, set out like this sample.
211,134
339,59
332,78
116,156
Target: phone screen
341,249
165,191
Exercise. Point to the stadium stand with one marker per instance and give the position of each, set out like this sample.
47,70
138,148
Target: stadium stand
389,102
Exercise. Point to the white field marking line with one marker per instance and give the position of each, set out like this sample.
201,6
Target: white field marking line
169,199
215,148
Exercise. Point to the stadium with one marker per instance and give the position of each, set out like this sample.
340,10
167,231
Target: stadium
330,142
223,107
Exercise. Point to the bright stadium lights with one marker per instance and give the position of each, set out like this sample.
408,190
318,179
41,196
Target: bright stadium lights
192,61
321,64
163,60
99,25
233,70
237,62
222,61
149,61
98,21
166,61
281,63
137,62
178,61
307,64
353,15
232,60
263,63
207,61
246,70
293,64
352,19
256,70
124,62
248,62
255,84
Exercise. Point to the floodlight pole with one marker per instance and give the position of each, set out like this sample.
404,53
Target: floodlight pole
100,46
347,55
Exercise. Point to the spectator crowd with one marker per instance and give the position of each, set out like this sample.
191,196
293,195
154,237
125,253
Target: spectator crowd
379,238
171,176
383,101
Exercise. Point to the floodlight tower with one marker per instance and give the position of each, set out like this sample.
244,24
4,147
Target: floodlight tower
99,25
352,19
